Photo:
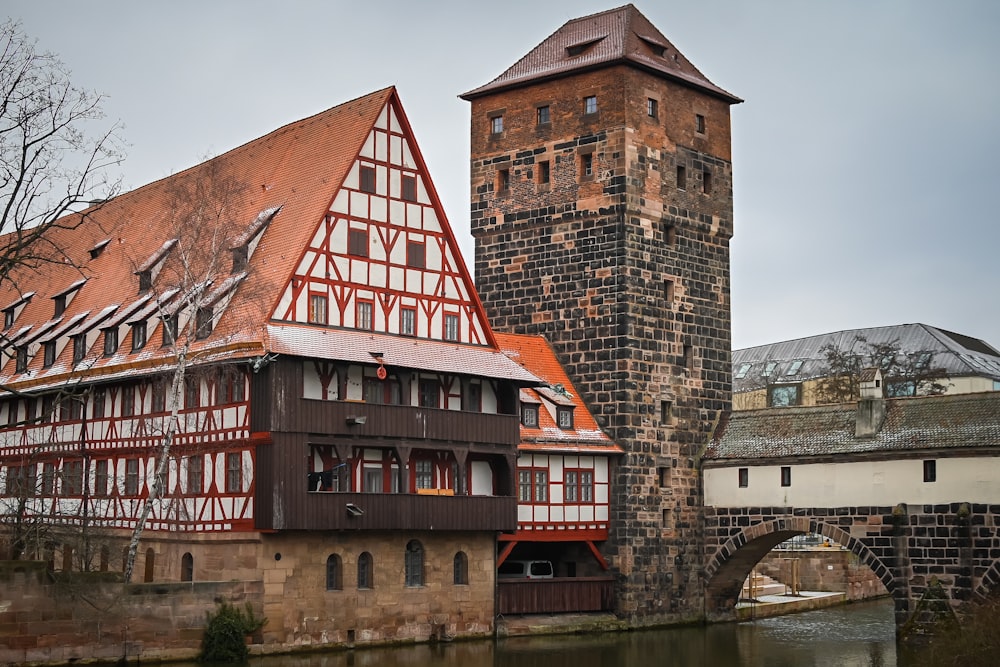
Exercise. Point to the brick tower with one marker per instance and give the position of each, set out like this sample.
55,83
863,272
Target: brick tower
602,211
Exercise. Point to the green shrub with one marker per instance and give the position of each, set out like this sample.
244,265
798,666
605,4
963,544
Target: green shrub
225,634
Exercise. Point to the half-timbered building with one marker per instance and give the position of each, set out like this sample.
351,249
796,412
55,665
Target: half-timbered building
347,425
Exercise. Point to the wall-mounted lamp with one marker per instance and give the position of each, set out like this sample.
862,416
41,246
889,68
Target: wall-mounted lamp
354,510
354,420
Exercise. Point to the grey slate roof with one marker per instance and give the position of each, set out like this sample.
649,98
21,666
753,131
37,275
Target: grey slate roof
958,354
954,421
621,35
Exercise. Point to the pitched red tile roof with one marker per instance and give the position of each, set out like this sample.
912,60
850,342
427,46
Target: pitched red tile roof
534,353
613,37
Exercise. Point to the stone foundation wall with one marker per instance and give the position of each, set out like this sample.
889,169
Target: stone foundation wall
824,569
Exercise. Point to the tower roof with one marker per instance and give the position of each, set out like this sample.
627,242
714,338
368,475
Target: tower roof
616,36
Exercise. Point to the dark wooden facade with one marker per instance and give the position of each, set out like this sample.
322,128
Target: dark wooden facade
286,425
555,596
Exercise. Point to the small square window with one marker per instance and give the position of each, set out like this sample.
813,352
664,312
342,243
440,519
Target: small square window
496,125
682,180
357,242
786,475
565,418
367,178
706,182
542,115
503,180
699,124
544,172
408,321
590,104
652,107
416,254
529,416
409,187
317,309
744,475
930,470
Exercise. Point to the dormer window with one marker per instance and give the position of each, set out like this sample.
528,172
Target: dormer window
148,271
170,329
21,359
99,248
529,416
110,341
60,304
8,318
138,335
241,257
79,347
62,299
565,417
203,323
48,353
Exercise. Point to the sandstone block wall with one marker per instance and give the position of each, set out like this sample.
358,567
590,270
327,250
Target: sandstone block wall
829,569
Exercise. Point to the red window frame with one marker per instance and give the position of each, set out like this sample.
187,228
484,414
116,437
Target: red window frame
408,187
402,321
367,179
369,305
315,316
357,241
449,319
416,254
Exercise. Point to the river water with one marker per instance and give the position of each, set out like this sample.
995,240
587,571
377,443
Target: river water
855,635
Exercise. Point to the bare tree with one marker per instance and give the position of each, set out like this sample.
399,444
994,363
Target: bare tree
904,373
52,163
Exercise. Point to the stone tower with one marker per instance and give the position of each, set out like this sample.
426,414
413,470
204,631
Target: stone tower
602,210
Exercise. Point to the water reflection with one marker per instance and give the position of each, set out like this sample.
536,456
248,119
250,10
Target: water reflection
858,635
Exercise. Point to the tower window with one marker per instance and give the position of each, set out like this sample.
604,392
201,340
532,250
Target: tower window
699,124
669,235
706,182
586,166
496,124
544,172
682,180
503,180
652,107
666,412
542,115
590,104
668,291
367,178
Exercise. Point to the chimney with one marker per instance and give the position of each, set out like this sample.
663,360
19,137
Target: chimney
871,404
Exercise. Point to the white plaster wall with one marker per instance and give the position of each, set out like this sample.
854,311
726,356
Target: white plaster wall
959,479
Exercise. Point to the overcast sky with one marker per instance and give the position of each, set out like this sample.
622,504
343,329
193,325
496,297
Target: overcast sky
865,156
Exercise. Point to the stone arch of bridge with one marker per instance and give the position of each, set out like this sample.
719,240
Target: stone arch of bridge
729,567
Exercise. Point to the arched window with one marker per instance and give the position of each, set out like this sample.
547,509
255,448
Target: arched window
414,563
334,580
150,564
461,568
365,575
187,567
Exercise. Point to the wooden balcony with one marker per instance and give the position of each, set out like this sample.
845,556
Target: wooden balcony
392,511
555,596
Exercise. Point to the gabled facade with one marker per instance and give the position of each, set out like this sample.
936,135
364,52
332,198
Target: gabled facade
789,373
347,426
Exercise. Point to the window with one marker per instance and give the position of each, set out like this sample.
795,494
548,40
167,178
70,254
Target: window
365,315
542,116
234,472
496,124
408,321
451,327
158,402
74,407
170,330
930,470
367,178
48,486
689,357
101,478
669,235
12,412
473,398
97,403
241,256
784,395
192,393
900,388
769,368
529,416
461,569
8,318
21,362
416,254
795,367
706,182
357,242
544,172
409,187
744,477
138,335
60,304
150,565
541,478
128,400
666,412
231,387
590,104
571,486
187,567
72,478
334,581
524,486
21,481
414,563
786,475
652,107
132,477
317,309
699,123
203,323
668,291
48,353
663,474
110,342
742,370
586,486
503,180
424,474
430,394
373,482
565,417
195,466
48,407
79,348
587,166
682,180
365,578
